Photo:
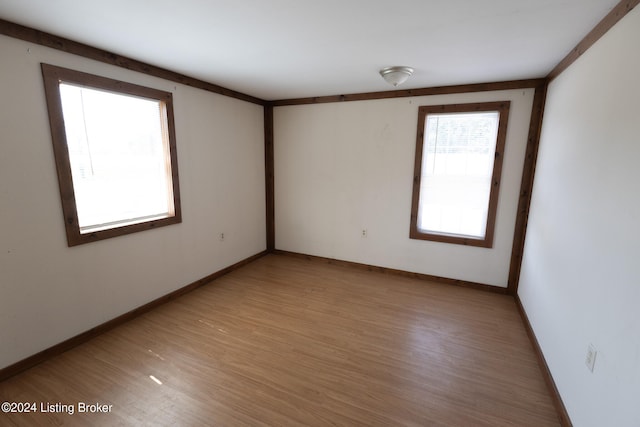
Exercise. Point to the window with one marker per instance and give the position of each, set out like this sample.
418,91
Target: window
115,153
458,162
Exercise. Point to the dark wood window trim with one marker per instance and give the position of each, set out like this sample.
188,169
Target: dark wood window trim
52,41
52,77
502,107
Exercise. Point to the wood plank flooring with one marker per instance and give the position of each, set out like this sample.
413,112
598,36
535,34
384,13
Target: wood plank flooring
291,342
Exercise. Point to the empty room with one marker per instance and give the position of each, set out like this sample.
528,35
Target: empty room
287,213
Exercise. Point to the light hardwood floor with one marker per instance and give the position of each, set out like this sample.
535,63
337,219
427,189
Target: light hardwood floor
288,341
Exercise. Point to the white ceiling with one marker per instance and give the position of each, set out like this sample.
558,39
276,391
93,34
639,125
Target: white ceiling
279,49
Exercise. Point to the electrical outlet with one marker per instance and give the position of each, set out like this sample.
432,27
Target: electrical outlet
364,233
590,360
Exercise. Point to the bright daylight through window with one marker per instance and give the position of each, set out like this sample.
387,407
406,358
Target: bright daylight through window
115,153
457,172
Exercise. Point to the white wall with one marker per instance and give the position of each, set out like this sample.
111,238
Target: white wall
579,282
342,167
50,292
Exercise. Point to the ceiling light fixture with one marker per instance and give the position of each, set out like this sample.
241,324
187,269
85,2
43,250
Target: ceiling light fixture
396,75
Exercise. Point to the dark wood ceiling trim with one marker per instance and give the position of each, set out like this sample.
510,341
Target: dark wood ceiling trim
526,187
616,14
49,40
439,90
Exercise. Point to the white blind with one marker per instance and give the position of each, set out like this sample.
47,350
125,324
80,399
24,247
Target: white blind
457,166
